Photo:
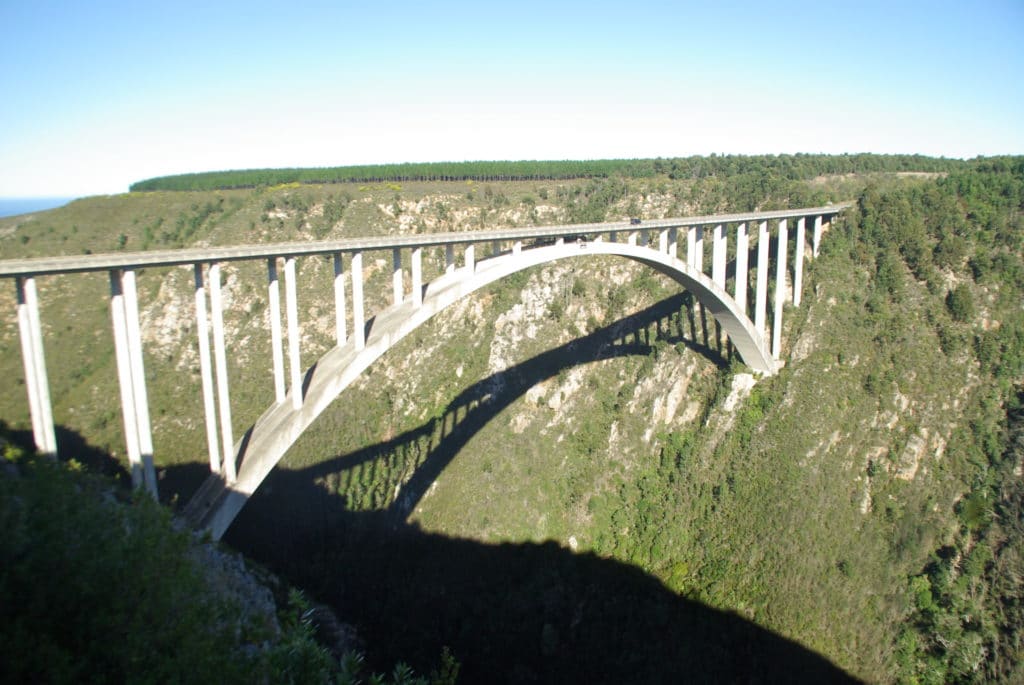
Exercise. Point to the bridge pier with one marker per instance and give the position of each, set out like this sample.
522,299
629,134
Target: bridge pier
124,310
206,369
339,300
698,249
816,237
761,294
780,288
396,275
417,277
741,266
294,334
276,340
34,363
718,256
221,369
358,323
470,257
798,262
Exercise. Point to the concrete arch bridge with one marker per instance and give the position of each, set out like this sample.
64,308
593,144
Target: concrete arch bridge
691,251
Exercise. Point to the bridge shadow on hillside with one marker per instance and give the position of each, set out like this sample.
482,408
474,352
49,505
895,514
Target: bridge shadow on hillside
425,451
514,612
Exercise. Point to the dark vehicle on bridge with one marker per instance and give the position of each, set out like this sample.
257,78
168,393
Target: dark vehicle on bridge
634,221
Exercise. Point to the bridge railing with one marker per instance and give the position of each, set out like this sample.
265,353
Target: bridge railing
663,235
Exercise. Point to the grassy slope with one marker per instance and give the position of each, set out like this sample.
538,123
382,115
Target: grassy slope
789,510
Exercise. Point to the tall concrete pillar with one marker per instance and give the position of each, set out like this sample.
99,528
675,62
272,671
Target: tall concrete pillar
358,324
691,247
276,340
698,249
718,256
673,242
396,275
470,258
138,371
780,288
517,247
124,377
663,241
206,370
632,239
742,247
227,440
417,277
339,300
294,334
798,262
816,237
34,362
761,292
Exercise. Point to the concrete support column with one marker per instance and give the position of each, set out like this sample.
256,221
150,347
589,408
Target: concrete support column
798,262
339,300
698,249
517,247
131,311
131,378
691,246
718,256
34,362
560,240
220,359
276,341
449,258
761,292
124,378
470,258
742,248
417,277
673,242
358,324
663,241
632,239
291,306
396,275
816,237
780,288
206,370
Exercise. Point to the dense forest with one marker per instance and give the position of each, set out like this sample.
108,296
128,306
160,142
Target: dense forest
788,167
589,488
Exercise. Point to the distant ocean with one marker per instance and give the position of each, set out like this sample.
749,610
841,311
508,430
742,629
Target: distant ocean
12,206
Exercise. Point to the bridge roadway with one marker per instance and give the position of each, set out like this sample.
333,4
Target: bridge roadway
247,462
41,266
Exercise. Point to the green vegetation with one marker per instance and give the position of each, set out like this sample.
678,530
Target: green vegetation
865,504
763,168
97,588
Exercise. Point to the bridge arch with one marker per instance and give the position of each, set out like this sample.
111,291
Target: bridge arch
217,503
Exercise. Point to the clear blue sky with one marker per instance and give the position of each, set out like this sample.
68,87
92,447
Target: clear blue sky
96,95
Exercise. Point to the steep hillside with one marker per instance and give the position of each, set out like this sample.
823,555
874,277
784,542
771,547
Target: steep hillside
566,475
